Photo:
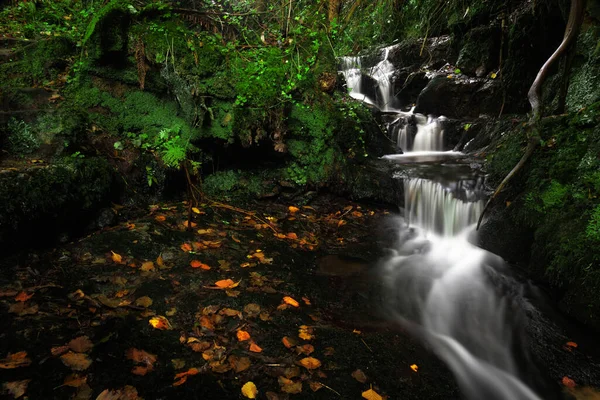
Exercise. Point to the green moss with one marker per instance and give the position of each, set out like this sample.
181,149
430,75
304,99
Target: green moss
592,230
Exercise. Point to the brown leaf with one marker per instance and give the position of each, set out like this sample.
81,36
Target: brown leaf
310,363
289,386
143,301
57,351
239,364
15,360
568,382
140,357
75,380
305,349
147,266
81,344
76,361
252,310
16,388
360,376
127,393
288,342
23,296
21,309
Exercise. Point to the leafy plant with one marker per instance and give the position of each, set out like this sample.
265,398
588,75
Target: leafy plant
21,138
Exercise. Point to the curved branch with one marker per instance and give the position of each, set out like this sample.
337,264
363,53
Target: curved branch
535,93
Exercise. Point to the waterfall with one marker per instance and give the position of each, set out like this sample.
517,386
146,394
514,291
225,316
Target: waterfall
451,294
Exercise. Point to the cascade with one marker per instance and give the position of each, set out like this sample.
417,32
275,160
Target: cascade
438,285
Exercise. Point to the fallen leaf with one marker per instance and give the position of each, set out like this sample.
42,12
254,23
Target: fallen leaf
371,395
76,361
143,301
292,236
291,301
239,364
74,380
226,284
116,257
204,231
288,342
310,363
199,264
21,309
249,390
23,296
160,262
242,335
81,344
252,310
160,322
15,360
305,332
314,386
186,247
187,224
305,349
414,367
57,351
293,209
196,210
127,393
160,218
571,344
178,363
16,388
359,375
289,386
147,266
255,348
141,357
568,382
306,301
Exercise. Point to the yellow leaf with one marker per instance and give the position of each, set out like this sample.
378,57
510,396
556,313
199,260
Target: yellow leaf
310,363
291,301
147,266
116,257
493,75
196,210
249,390
160,322
371,395
414,367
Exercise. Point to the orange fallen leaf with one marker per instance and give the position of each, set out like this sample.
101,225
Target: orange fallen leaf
414,367
292,236
116,257
310,363
160,322
293,209
226,284
160,218
255,348
75,380
249,390
306,301
291,301
15,360
160,262
571,344
242,335
305,332
188,224
371,395
199,264
23,296
568,382
186,247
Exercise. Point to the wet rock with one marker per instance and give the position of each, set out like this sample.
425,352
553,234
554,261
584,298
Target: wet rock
460,97
412,54
480,51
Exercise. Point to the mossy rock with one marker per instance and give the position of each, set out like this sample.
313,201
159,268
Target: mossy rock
583,87
54,196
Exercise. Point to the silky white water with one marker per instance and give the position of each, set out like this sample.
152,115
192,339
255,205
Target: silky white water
440,286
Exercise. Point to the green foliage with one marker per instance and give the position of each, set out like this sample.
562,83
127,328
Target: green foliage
21,138
592,230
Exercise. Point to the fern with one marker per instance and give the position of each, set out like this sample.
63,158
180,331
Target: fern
104,11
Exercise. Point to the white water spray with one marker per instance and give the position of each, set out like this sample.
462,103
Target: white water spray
441,285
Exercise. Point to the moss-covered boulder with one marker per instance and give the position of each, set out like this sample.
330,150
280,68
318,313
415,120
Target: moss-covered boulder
42,200
548,219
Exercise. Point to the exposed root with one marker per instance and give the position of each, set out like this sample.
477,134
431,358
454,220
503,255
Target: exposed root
535,94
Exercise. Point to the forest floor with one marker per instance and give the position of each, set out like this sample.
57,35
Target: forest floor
281,299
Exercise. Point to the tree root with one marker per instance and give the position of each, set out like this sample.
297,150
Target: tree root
535,95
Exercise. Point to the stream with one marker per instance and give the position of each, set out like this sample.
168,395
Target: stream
460,300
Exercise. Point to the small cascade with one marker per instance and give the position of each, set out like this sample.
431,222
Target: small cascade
448,292
379,89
